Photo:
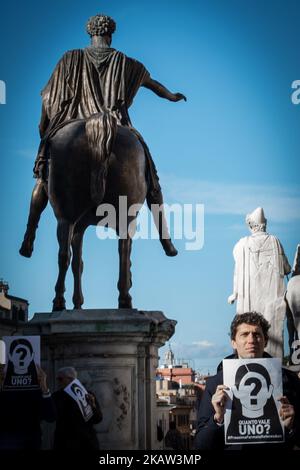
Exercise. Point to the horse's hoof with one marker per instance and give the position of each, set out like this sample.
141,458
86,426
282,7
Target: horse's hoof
125,303
26,249
58,306
168,247
77,306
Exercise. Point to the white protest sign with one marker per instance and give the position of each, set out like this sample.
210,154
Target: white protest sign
22,353
252,412
2,352
78,392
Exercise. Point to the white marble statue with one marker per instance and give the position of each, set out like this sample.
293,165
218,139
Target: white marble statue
292,298
260,266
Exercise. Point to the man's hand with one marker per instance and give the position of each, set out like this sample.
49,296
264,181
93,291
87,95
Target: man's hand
91,400
42,379
178,97
286,412
218,402
231,299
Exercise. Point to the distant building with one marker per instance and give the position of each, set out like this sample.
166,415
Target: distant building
13,311
175,385
169,358
162,421
180,373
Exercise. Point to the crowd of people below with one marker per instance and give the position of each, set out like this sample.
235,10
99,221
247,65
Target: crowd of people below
22,411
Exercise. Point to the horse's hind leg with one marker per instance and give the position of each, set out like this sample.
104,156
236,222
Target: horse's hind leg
125,283
64,235
77,263
155,205
39,200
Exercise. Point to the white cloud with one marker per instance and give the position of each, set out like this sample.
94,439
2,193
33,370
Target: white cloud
281,204
201,349
203,344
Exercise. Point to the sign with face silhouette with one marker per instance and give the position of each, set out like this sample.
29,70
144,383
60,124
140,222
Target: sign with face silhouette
78,392
252,411
22,354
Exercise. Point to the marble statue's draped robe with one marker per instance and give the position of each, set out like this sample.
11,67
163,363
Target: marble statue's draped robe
89,81
260,266
293,300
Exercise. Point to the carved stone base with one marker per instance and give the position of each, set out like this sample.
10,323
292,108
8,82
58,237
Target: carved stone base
115,353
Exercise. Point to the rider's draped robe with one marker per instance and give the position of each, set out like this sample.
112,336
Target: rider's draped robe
93,80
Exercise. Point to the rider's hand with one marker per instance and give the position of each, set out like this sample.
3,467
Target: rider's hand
218,402
178,97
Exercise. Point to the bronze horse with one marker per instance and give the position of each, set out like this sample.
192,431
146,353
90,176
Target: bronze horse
93,161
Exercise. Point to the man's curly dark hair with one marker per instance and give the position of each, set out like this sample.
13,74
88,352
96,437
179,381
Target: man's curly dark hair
250,318
100,25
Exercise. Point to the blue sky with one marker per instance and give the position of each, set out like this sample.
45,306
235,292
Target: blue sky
233,146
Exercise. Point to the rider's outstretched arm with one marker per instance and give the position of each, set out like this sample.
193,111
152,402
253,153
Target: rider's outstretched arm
162,91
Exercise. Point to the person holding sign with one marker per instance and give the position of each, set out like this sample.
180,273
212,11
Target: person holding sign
77,412
249,336
21,412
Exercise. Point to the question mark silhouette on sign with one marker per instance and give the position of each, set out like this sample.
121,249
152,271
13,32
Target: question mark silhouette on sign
255,389
22,352
267,428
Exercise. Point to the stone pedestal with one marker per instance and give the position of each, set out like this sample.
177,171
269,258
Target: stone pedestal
115,353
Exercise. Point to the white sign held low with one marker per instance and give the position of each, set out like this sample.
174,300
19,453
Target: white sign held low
252,412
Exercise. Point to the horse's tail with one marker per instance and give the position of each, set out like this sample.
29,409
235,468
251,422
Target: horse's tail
101,131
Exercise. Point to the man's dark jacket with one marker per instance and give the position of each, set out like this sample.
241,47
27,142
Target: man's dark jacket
72,431
210,436
21,413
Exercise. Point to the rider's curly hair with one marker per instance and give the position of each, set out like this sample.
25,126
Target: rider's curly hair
100,25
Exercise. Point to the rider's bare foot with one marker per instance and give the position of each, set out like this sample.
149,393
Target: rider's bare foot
168,246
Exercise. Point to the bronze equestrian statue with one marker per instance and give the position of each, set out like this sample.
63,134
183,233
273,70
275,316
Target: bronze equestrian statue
90,154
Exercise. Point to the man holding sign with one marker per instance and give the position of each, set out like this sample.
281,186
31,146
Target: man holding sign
77,412
249,336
